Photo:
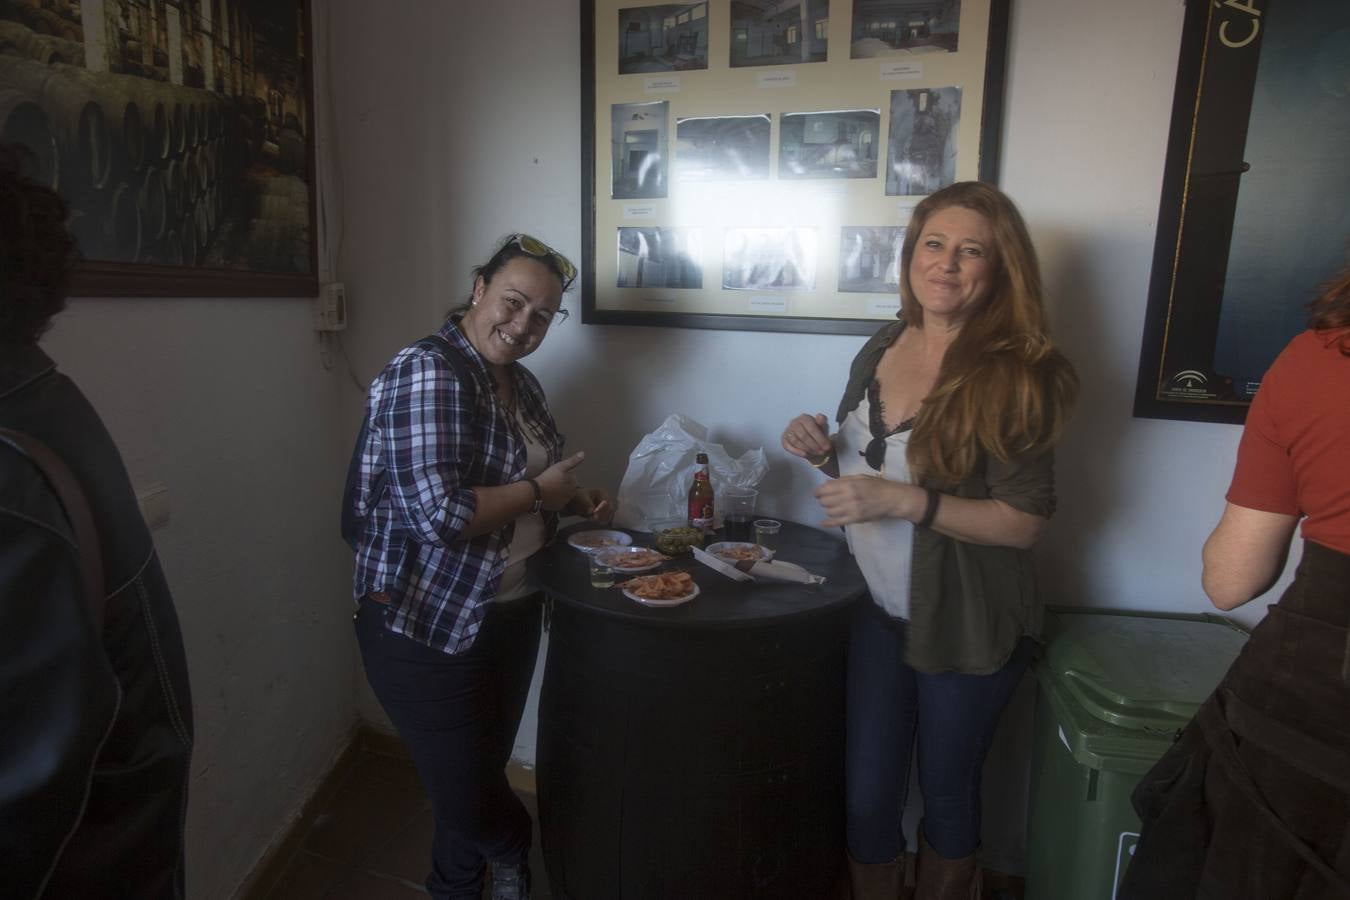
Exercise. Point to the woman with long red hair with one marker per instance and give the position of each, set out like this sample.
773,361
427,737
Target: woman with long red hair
942,476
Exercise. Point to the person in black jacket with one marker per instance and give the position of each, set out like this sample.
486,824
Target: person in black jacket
96,721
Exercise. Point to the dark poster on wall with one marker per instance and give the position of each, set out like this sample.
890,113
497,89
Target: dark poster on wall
178,132
1253,215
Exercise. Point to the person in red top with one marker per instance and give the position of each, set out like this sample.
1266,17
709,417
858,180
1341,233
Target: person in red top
1291,463
1253,801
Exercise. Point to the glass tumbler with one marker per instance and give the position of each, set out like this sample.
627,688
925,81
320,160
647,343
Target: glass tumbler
766,534
602,575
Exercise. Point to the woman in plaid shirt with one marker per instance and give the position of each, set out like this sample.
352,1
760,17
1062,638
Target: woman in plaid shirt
461,478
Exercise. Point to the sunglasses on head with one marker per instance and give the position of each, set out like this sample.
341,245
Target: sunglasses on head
538,249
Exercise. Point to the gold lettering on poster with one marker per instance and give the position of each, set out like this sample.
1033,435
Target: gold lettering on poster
1248,7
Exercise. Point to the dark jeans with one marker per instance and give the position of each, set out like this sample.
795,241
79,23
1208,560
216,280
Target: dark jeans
458,716
953,717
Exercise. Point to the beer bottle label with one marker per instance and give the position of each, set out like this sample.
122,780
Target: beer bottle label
701,514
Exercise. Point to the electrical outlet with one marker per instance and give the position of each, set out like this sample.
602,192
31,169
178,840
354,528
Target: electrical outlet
154,502
330,310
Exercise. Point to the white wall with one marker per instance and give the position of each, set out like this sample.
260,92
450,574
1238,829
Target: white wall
459,123
1089,98
233,406
227,403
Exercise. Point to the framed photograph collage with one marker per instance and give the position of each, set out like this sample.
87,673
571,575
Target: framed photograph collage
752,165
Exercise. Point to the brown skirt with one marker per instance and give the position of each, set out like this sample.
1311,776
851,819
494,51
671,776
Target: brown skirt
1253,800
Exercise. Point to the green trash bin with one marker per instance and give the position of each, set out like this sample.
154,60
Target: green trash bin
1115,688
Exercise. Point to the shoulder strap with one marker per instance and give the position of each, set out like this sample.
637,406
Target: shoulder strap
452,356
351,522
73,501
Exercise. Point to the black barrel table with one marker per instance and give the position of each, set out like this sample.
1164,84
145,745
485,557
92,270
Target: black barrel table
695,752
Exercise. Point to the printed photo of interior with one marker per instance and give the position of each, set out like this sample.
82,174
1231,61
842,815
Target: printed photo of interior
869,258
769,33
639,140
886,27
840,144
769,259
921,146
722,148
663,38
660,258
173,143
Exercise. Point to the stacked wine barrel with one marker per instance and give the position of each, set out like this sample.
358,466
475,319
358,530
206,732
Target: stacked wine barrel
151,171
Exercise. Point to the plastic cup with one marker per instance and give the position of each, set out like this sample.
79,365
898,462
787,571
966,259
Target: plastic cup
766,533
602,576
739,503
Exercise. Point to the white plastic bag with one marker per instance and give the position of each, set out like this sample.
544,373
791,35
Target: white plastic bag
655,486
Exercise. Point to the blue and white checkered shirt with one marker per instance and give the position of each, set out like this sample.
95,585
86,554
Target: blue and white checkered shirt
437,429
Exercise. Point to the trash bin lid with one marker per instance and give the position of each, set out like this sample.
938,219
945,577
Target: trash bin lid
1094,743
1138,671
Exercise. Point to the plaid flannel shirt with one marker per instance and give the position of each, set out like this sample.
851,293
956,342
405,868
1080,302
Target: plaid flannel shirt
437,430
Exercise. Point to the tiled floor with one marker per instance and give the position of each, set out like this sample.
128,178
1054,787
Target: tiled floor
373,840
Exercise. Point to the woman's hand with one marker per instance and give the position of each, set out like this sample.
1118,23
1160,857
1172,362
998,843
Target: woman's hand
594,504
808,437
557,484
867,498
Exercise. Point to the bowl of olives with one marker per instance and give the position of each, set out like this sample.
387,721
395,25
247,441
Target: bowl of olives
676,540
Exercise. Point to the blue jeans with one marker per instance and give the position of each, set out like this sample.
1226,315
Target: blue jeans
889,705
458,715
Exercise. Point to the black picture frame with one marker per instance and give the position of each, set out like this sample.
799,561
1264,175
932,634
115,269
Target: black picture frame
1233,178
993,45
180,134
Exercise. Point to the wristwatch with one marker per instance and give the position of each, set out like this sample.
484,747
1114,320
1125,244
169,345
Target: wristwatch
538,496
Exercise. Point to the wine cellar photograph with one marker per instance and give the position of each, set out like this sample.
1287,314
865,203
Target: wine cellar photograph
177,131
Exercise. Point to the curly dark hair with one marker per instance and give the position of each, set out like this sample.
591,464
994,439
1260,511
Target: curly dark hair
1331,310
36,252
514,246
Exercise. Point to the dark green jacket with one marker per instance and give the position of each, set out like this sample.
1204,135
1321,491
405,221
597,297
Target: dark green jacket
969,603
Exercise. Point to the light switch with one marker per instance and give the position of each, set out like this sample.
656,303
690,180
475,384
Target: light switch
154,502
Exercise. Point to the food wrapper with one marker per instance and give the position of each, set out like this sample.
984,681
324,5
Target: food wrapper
748,570
777,570
719,565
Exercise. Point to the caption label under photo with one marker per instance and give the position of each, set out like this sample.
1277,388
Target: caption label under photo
778,79
768,304
901,71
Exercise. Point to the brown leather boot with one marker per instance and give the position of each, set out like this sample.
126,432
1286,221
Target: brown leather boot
947,879
876,881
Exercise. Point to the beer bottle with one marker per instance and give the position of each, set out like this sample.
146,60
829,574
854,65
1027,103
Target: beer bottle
701,496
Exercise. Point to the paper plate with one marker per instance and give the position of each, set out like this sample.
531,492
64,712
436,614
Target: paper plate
731,546
600,539
673,601
628,559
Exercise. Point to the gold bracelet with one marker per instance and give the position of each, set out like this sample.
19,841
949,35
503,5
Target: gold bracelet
824,462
